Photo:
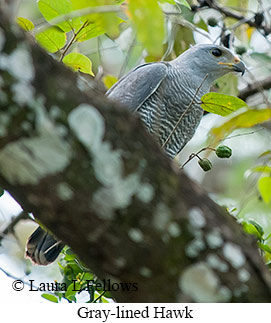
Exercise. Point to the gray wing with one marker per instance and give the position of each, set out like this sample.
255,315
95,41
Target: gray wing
138,85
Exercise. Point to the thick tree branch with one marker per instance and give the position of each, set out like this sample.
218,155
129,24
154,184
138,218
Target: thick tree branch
86,168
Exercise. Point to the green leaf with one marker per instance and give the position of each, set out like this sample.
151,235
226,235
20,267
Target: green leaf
258,227
50,297
104,300
261,169
51,9
90,31
73,288
25,24
109,80
109,21
264,247
265,153
69,257
264,187
149,23
221,104
201,24
88,276
52,39
245,119
251,229
78,62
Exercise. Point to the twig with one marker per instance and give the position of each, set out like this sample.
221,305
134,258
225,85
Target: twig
11,225
260,89
228,13
193,155
99,297
185,111
241,134
254,88
8,274
72,40
127,56
181,21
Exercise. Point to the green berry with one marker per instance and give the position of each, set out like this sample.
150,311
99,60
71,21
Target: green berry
212,22
205,164
223,152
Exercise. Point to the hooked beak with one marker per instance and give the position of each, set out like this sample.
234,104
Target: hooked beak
237,66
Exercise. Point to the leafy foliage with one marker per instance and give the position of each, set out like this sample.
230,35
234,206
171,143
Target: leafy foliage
77,282
83,26
73,21
254,228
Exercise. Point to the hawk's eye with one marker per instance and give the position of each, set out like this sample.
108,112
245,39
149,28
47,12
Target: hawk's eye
217,52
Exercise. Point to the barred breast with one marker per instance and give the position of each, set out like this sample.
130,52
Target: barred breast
162,111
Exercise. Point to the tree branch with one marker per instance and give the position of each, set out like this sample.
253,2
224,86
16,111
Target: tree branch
10,227
231,14
254,88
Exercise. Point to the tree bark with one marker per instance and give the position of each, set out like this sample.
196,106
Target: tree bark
88,170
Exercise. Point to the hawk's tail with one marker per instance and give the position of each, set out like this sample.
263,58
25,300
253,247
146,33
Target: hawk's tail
42,248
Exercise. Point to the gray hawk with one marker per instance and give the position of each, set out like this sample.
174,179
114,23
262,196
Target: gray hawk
162,92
